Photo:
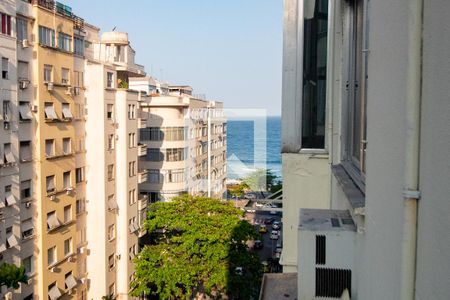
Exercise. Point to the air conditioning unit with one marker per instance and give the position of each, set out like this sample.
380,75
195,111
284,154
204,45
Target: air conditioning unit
34,108
50,86
25,43
23,84
69,91
53,197
71,259
326,241
8,296
83,250
53,270
28,204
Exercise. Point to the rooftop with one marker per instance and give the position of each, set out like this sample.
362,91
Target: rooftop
279,286
326,220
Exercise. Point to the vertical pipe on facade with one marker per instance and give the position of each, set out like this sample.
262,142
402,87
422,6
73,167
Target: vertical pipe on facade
411,193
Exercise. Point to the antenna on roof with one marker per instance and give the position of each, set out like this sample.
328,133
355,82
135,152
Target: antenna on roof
114,28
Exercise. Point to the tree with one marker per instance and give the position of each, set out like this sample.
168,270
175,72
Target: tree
262,180
238,190
198,247
11,275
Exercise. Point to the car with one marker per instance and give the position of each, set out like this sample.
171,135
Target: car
276,225
274,236
269,221
262,228
257,204
278,250
258,244
277,232
250,196
279,244
239,270
273,212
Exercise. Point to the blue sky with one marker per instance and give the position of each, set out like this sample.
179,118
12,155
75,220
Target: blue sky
229,50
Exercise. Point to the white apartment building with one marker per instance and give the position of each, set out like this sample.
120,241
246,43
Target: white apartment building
365,148
113,203
180,134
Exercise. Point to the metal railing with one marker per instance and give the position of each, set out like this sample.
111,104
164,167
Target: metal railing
60,9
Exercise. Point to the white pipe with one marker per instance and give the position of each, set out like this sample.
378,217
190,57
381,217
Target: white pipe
209,150
411,193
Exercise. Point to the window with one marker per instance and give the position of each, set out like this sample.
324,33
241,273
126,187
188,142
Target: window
25,189
132,169
78,46
314,77
25,151
354,153
48,72
110,141
109,111
131,140
22,29
131,197
80,206
5,68
9,197
24,111
78,78
53,291
49,148
70,281
27,228
64,41
112,204
109,80
154,176
175,154
27,262
67,114
68,247
111,232
50,183
67,213
163,133
131,111
110,172
22,70
174,176
46,36
51,256
49,111
112,261
52,220
5,24
66,180
79,174
133,225
65,78
153,154
67,146
6,110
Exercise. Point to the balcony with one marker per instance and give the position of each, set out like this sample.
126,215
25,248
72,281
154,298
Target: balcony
142,176
142,150
142,203
142,123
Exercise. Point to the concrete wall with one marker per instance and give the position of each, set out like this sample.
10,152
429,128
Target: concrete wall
433,272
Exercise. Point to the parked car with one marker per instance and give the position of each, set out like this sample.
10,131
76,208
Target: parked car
277,232
257,204
265,265
269,221
250,196
239,270
276,225
258,244
273,212
262,228
274,236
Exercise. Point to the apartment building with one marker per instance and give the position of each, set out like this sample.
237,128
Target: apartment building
185,141
365,139
114,204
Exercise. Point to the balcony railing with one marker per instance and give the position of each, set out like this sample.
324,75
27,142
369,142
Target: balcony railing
142,203
142,176
60,9
142,150
142,123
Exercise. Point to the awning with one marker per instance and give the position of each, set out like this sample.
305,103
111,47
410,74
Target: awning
2,247
25,112
10,199
9,157
12,241
71,282
50,112
131,228
54,293
112,204
27,225
52,221
67,114
136,225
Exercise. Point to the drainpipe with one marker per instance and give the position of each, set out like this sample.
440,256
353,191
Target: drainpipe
411,191
209,149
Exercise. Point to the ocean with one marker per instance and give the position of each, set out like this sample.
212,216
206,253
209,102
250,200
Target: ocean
244,136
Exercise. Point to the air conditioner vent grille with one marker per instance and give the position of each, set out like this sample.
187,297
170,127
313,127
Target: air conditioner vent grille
332,282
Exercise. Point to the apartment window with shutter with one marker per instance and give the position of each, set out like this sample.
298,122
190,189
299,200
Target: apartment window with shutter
51,256
50,148
25,189
67,146
48,72
24,111
5,68
109,80
109,111
65,76
25,151
50,183
5,24
66,180
67,213
22,70
68,247
78,46
22,28
46,36
111,172
64,42
110,141
27,228
111,232
79,174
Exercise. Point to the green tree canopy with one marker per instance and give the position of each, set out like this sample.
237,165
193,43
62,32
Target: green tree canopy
197,245
12,275
263,180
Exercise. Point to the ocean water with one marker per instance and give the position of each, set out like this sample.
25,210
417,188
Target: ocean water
253,144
